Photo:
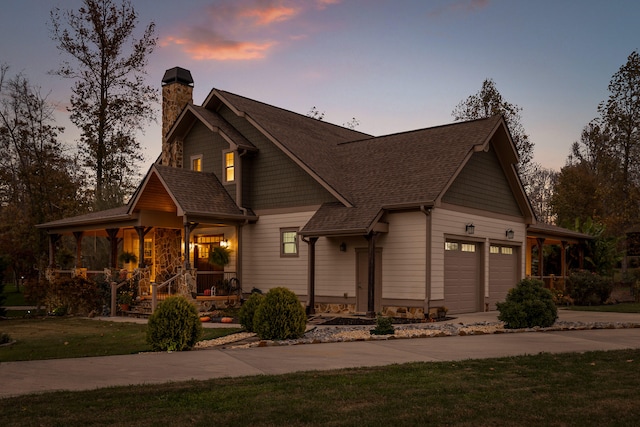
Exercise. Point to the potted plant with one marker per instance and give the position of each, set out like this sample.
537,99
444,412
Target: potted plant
125,299
128,257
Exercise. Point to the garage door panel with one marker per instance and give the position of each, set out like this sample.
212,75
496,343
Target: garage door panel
503,273
461,283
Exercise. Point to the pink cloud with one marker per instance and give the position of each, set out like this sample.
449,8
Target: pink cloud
270,14
240,29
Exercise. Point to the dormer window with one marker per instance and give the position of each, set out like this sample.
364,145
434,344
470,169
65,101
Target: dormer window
229,166
196,163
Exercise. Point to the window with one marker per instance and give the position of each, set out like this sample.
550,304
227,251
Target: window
495,249
289,242
507,251
229,167
466,247
450,246
196,163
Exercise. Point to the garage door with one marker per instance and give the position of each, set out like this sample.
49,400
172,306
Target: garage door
503,272
461,277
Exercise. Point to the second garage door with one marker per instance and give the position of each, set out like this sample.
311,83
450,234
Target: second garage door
503,272
461,277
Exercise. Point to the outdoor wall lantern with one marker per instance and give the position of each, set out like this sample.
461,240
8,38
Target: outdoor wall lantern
470,228
343,247
224,243
509,233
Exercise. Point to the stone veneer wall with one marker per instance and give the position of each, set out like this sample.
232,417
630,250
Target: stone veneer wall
174,97
391,311
168,253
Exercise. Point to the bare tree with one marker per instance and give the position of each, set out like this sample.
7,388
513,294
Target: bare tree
110,101
489,102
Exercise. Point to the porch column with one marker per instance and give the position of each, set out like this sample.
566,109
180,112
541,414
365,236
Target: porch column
112,234
53,241
563,262
540,242
188,228
142,232
371,310
78,235
311,291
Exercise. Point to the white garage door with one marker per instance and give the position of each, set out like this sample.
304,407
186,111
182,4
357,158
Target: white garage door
503,272
461,277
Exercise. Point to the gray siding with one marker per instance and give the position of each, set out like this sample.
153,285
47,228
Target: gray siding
211,145
482,184
270,178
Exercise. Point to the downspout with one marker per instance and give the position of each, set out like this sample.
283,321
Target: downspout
427,262
239,227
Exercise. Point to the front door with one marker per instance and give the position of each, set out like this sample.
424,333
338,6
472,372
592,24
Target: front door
208,274
362,280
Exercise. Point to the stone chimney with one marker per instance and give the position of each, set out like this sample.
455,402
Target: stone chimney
177,91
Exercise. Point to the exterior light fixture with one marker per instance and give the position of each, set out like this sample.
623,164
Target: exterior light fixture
470,228
224,243
509,233
343,247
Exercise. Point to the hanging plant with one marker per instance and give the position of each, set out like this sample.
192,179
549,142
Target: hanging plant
127,257
219,256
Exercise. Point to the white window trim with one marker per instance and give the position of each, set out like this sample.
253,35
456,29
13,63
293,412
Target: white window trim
196,157
224,166
297,242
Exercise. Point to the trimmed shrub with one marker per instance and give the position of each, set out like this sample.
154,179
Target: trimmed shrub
75,295
280,316
248,311
588,288
174,326
527,305
384,326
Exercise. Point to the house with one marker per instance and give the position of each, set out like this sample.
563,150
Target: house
350,222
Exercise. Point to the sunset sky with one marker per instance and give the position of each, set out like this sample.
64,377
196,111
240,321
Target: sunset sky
394,65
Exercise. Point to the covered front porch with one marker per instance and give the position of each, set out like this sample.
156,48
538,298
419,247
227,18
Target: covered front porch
552,252
164,242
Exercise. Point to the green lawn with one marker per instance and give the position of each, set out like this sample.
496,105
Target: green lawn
13,297
65,337
589,389
626,307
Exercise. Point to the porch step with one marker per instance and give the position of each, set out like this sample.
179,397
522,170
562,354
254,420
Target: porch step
141,308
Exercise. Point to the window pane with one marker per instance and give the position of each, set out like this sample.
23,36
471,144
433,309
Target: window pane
468,247
451,246
289,242
495,249
507,251
229,167
196,165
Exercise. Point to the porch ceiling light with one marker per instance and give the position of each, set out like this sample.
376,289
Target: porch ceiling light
470,228
509,233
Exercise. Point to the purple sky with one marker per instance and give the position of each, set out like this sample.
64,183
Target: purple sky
395,65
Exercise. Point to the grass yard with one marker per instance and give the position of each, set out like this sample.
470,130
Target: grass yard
590,389
625,307
13,297
66,337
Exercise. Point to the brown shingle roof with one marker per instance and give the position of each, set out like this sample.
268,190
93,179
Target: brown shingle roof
197,192
404,169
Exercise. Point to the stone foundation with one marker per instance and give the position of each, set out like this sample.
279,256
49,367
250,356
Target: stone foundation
391,311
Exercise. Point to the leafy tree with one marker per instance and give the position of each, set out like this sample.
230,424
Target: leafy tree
110,101
489,102
39,181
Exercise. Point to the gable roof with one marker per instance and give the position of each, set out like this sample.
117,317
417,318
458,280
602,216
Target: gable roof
408,170
309,142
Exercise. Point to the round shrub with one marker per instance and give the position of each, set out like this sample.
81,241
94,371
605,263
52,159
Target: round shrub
527,305
174,326
248,311
280,316
587,288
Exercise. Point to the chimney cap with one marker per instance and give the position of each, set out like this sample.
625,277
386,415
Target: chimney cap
177,75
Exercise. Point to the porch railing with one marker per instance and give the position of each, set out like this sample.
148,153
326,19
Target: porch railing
157,287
